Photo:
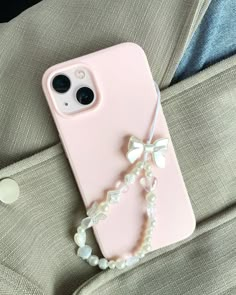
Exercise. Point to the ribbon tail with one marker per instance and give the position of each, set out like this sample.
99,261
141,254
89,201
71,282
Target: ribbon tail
160,151
134,154
159,159
135,149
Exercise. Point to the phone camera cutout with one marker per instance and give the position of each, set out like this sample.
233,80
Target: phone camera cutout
85,95
74,90
61,83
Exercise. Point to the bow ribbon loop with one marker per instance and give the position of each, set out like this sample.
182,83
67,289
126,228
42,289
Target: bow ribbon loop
157,149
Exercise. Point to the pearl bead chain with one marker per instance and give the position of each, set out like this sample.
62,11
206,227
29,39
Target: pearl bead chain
98,212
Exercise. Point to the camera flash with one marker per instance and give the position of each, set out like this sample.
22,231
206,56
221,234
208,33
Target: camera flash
80,74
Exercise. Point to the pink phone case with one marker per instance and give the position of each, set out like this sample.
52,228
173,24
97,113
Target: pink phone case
96,142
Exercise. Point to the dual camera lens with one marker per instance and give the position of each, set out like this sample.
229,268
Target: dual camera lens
62,84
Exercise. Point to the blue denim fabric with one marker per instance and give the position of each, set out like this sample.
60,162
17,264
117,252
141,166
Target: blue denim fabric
213,41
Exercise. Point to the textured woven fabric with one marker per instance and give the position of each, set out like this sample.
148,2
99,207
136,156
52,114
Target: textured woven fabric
37,251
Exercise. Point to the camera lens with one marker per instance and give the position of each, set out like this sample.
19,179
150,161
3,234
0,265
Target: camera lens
85,95
61,83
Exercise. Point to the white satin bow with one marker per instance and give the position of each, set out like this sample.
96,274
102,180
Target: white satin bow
157,149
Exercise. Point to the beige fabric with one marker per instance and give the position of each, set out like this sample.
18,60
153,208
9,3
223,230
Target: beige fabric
37,252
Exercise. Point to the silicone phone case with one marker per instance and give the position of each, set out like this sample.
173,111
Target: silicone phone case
96,142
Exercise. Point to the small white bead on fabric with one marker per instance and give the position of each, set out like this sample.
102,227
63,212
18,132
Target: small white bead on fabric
9,190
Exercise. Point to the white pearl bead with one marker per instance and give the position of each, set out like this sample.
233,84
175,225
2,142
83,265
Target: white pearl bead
141,254
99,217
136,171
103,263
121,187
140,165
80,229
153,223
120,264
147,166
130,178
147,248
80,238
149,231
111,264
150,210
113,196
84,252
93,260
147,240
132,260
87,222
124,188
146,244
92,210
151,197
148,174
103,207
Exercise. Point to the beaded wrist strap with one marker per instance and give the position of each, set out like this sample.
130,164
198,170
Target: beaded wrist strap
142,155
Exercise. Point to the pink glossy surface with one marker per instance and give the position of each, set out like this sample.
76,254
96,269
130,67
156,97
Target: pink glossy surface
96,143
